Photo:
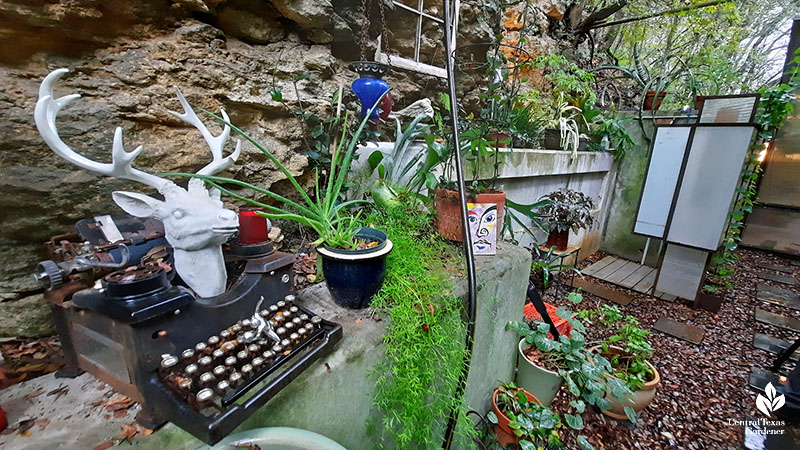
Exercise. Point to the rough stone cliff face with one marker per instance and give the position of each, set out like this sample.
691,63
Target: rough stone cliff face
124,59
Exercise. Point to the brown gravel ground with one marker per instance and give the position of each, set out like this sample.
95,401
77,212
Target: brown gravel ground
703,386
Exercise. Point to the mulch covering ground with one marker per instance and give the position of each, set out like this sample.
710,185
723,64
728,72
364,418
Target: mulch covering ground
703,386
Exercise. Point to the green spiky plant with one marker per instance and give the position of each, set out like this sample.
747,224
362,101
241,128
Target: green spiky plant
324,214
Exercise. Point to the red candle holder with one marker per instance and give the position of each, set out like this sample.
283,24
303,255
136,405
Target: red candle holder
253,228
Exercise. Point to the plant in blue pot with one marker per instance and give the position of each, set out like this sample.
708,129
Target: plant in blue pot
353,258
370,89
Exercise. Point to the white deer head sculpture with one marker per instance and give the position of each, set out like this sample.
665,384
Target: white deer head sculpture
195,222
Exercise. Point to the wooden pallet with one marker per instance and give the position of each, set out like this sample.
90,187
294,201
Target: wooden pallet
627,274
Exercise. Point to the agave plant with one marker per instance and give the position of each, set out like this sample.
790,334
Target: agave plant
398,174
670,68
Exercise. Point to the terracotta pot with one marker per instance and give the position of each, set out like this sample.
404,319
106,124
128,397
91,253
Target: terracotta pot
504,434
699,101
639,400
448,212
708,302
499,138
651,102
558,238
542,383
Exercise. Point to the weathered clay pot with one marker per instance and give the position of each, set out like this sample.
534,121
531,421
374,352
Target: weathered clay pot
639,400
503,432
542,383
708,302
653,102
448,212
558,238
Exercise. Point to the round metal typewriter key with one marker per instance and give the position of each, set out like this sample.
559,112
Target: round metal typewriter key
228,346
247,370
273,308
253,348
316,320
294,309
279,318
235,379
304,317
289,326
281,304
294,337
297,321
236,328
225,335
223,387
187,354
200,347
219,371
308,328
205,361
257,363
168,362
207,379
218,353
213,340
246,323
289,298
191,369
285,343
185,384
242,355
277,348
240,339
248,336
264,313
231,361
205,397
281,331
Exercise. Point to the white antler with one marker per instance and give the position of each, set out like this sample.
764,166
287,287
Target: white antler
120,167
216,143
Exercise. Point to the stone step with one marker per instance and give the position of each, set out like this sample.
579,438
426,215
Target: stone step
680,330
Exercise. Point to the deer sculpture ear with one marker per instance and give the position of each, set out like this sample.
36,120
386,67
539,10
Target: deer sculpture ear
136,204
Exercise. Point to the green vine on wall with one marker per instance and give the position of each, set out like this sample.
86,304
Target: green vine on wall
424,340
775,105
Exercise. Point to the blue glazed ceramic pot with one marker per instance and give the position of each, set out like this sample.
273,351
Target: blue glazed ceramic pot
354,276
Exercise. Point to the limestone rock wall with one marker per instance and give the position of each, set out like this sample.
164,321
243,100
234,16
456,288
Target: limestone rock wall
124,59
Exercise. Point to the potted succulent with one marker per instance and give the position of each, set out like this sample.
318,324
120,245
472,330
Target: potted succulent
519,418
628,352
353,258
653,82
568,210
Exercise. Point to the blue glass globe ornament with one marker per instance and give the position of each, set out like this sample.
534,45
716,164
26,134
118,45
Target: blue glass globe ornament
369,87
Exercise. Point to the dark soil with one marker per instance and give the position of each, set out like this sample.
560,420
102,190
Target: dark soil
703,386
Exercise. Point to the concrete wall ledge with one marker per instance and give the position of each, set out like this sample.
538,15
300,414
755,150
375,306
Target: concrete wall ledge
334,396
519,163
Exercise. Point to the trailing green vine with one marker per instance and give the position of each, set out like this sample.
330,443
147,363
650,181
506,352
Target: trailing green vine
774,106
425,337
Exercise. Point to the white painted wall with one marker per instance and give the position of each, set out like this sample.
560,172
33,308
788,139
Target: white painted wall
529,174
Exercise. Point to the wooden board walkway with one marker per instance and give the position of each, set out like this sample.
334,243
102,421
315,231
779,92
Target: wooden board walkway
627,274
